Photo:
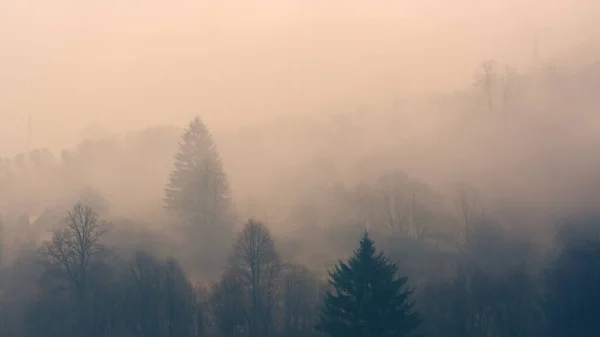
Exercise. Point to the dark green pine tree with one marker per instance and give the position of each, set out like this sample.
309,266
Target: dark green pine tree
369,300
198,192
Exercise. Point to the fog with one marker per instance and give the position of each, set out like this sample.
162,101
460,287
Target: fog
328,118
137,64
128,66
273,81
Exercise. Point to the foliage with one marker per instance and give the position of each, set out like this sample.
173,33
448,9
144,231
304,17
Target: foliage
370,299
198,194
197,185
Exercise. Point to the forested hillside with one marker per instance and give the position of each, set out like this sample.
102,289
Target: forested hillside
299,168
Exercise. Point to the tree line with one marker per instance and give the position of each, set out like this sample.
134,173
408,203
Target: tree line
490,283
83,288
74,285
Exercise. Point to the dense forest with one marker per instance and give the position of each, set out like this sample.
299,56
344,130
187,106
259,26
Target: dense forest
334,227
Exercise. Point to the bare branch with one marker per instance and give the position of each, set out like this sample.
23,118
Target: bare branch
73,247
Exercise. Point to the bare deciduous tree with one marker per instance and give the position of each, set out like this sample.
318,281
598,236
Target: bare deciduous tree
145,297
201,317
466,204
301,300
180,301
257,263
394,209
72,258
487,80
227,303
508,79
73,247
162,301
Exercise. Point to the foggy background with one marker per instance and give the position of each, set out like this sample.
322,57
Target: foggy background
140,63
304,94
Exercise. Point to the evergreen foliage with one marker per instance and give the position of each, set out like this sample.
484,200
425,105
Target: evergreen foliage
198,194
370,298
197,183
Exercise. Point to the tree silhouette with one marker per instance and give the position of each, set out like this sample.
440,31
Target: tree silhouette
73,248
258,265
197,185
198,191
370,299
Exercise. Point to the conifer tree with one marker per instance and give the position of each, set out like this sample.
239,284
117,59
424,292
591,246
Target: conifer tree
198,192
369,298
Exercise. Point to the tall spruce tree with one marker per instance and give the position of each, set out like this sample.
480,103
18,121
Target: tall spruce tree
370,299
198,192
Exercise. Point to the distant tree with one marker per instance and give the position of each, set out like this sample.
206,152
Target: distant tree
41,158
394,201
487,79
20,162
180,301
469,210
572,282
228,303
157,299
404,204
477,303
95,199
202,313
1,244
492,291
370,299
508,81
5,173
300,300
257,263
144,295
18,285
198,190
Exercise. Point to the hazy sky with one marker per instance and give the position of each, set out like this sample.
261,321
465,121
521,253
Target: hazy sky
130,64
